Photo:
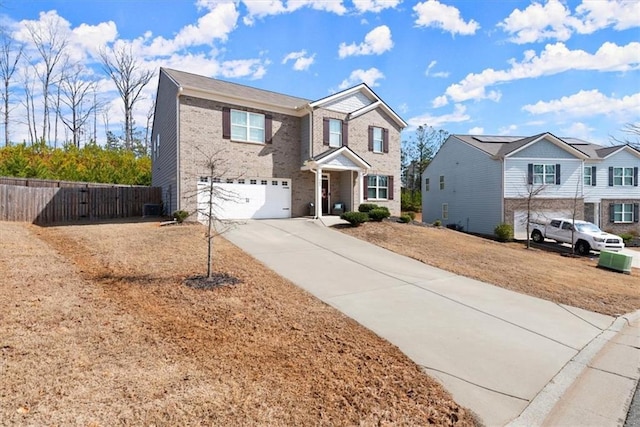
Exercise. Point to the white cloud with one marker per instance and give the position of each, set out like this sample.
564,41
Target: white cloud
439,74
376,42
508,130
578,130
370,77
374,6
458,115
439,101
476,131
554,20
432,13
588,103
252,68
257,9
301,62
555,59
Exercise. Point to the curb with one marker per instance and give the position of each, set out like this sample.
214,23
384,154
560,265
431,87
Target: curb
543,403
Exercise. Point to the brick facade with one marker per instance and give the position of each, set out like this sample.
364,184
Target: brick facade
617,228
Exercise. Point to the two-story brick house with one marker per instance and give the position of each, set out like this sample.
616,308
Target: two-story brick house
480,181
279,155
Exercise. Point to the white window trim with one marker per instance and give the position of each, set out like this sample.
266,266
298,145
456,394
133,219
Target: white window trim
339,133
622,212
378,187
545,174
588,173
445,211
622,176
248,127
378,141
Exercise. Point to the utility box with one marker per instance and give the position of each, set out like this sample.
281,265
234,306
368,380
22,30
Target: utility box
615,261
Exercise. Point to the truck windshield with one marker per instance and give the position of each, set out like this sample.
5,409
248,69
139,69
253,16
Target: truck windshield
588,228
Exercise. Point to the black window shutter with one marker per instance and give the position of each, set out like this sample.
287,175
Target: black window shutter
558,181
612,216
390,184
610,176
635,176
593,176
385,140
345,134
325,131
530,173
268,129
370,138
636,214
226,123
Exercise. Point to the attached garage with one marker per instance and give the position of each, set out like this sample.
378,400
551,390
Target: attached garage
542,216
245,198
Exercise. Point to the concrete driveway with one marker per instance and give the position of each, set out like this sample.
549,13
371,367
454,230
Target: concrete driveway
493,349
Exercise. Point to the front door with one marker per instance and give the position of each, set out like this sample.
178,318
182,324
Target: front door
325,194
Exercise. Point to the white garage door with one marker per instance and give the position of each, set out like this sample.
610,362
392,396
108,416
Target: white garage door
520,220
246,198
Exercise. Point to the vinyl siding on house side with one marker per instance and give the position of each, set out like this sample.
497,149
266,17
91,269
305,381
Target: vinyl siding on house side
472,188
515,178
602,190
543,149
164,166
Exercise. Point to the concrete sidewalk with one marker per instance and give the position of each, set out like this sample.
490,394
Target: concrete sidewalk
495,350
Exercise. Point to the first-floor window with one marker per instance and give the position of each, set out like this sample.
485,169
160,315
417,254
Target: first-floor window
622,212
246,126
442,182
378,187
445,211
426,184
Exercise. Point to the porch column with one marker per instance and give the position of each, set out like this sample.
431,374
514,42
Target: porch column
318,192
361,189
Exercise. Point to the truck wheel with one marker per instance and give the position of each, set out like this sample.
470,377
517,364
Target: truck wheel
582,247
537,236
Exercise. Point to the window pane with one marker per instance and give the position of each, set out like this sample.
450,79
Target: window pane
372,180
382,181
335,126
256,135
238,117
382,193
239,133
538,169
371,193
256,120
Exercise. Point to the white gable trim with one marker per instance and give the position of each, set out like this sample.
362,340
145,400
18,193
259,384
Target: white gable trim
333,161
557,142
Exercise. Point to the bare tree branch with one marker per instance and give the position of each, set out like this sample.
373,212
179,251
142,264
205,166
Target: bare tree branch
10,55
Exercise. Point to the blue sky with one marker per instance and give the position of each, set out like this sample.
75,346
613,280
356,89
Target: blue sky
484,67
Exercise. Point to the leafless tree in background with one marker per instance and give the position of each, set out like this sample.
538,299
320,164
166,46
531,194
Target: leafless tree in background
28,102
75,95
633,130
130,79
51,45
10,54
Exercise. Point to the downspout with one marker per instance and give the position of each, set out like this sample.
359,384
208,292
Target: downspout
179,172
502,191
315,193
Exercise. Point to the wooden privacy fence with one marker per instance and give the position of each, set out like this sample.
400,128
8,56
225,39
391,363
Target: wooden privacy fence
46,202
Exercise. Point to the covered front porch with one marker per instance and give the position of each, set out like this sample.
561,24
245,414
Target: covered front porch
339,176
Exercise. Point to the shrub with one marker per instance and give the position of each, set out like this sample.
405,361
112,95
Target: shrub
437,223
411,215
378,214
406,218
366,207
504,232
355,218
180,216
626,237
411,201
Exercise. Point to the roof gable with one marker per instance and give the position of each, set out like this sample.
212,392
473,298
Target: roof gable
337,158
356,101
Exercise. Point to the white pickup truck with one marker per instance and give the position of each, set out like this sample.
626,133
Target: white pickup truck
586,236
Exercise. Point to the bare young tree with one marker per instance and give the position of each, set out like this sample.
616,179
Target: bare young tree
633,130
129,78
147,131
10,55
51,44
76,93
28,103
533,190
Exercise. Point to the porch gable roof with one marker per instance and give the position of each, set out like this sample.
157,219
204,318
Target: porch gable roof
342,158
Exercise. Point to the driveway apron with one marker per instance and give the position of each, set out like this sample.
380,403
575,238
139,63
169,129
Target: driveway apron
492,348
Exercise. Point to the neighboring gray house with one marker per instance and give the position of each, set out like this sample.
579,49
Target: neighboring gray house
277,153
478,182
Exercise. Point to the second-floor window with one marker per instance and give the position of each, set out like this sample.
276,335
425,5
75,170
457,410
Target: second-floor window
377,140
335,133
426,184
442,182
544,174
246,126
588,176
622,176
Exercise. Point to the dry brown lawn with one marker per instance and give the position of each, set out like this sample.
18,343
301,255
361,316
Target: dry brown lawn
98,329
548,275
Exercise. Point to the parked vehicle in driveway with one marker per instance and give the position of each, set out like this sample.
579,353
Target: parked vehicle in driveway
583,235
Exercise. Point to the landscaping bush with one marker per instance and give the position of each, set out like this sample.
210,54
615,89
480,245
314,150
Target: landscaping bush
180,216
378,214
437,223
406,218
411,201
504,232
411,214
366,207
355,218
